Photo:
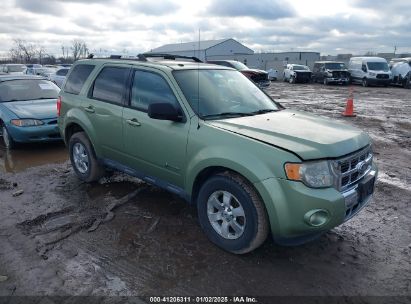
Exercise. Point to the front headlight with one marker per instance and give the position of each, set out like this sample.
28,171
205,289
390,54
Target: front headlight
315,174
26,122
372,74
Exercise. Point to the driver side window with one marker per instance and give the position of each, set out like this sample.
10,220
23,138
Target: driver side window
150,88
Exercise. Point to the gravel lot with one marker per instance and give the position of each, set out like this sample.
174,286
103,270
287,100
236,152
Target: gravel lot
123,237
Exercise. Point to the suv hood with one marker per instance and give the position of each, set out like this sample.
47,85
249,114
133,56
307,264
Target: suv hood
307,135
256,71
336,70
39,109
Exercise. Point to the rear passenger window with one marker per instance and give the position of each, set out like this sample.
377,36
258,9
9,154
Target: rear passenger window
150,88
77,78
110,84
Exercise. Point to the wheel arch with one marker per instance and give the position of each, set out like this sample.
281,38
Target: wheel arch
75,127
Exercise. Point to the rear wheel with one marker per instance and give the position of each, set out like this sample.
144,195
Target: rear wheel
232,214
83,158
7,139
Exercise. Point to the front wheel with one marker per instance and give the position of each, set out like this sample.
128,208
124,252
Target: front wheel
232,214
406,83
292,79
325,81
365,82
7,139
83,158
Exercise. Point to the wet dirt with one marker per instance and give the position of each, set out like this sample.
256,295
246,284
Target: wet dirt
121,236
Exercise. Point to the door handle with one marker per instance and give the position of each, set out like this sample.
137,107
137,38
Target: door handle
133,122
89,109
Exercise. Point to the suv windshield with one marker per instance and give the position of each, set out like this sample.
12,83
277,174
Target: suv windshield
221,93
239,66
299,68
378,66
27,89
335,66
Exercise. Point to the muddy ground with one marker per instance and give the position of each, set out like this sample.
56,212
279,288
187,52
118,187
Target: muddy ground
59,236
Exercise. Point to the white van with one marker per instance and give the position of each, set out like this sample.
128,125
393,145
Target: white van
369,71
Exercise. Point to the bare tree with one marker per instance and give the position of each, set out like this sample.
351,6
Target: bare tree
41,51
79,49
22,50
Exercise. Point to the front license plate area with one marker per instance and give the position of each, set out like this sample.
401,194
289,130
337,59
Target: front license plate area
366,187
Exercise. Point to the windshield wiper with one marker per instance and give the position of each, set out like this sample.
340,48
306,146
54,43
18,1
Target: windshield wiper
262,111
240,114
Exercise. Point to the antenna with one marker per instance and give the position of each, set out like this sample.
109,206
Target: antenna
198,84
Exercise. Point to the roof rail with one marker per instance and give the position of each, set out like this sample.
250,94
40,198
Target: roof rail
143,57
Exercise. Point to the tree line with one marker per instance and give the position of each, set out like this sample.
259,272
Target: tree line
23,51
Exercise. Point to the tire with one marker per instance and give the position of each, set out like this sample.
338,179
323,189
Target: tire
251,221
406,83
9,142
284,79
365,82
83,158
292,79
325,81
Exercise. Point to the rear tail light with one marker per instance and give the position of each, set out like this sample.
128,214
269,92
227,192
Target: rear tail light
59,105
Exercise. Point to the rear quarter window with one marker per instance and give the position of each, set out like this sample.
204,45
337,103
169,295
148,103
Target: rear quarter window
77,78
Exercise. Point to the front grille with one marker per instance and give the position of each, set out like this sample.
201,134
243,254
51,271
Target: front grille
339,74
303,76
350,169
382,76
260,77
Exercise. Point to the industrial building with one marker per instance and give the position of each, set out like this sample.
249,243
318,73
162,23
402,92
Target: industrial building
231,49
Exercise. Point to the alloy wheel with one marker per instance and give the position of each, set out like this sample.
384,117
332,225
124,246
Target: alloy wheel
80,157
226,215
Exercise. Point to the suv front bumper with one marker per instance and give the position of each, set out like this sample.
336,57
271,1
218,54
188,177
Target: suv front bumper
289,204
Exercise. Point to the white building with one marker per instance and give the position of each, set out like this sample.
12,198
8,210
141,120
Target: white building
234,50
206,49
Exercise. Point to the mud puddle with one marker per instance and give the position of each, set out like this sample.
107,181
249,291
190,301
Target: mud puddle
31,155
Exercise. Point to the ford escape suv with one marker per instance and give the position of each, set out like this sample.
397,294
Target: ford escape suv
211,136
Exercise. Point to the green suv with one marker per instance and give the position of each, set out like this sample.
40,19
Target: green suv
209,135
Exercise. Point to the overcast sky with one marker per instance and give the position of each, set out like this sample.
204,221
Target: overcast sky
134,26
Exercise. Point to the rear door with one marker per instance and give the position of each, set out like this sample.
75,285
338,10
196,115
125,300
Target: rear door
154,147
104,108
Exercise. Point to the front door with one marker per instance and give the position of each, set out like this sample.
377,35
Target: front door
155,147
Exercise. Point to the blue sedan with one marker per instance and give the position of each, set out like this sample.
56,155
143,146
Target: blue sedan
28,111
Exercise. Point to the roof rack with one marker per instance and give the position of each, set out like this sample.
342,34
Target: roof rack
143,57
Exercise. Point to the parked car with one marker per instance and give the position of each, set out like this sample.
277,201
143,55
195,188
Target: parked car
369,71
272,74
207,134
59,76
401,72
31,66
28,109
34,70
330,72
297,73
259,77
14,69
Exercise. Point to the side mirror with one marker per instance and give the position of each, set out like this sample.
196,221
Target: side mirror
364,68
164,111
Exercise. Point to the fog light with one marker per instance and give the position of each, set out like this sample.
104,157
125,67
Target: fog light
317,217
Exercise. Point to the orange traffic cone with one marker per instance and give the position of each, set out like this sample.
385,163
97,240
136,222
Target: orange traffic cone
349,107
